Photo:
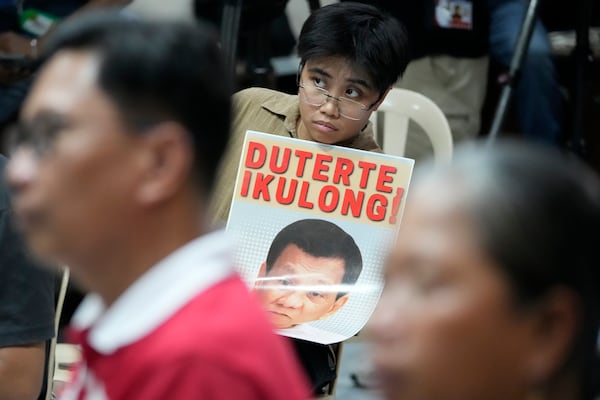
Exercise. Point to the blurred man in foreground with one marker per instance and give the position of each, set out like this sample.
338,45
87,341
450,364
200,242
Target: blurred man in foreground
112,165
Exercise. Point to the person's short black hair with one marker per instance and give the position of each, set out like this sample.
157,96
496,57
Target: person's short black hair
319,238
155,72
363,34
537,212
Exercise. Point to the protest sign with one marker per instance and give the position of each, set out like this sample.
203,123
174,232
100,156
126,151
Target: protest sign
327,216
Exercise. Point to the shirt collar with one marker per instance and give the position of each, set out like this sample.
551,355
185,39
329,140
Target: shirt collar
156,295
287,108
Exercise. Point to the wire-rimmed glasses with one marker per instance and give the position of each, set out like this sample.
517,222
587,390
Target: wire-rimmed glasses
316,96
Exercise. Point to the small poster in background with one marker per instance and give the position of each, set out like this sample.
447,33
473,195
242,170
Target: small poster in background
454,14
313,224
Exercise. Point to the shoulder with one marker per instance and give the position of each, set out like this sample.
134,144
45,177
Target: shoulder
257,94
221,335
255,97
190,375
262,110
206,325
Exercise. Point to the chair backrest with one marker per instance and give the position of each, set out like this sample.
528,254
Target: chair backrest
391,123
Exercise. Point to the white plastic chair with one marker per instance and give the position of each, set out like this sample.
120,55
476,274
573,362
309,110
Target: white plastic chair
402,105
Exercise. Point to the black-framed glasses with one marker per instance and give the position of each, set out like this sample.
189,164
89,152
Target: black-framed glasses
316,96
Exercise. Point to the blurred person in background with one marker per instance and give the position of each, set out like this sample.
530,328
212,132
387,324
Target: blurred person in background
26,311
25,26
492,290
537,94
449,65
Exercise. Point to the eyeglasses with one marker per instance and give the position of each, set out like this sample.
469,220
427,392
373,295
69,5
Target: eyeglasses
41,134
316,96
38,135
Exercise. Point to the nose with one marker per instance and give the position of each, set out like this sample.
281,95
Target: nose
292,299
330,107
21,170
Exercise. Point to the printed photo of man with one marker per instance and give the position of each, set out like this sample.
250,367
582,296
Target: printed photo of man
310,266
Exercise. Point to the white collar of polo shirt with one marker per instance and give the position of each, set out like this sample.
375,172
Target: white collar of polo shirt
156,295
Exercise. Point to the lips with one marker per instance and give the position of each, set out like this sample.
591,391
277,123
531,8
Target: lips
276,314
24,215
324,126
27,221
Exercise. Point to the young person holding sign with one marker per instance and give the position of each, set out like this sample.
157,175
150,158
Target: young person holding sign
351,55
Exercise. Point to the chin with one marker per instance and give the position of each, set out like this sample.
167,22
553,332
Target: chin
44,250
324,139
47,258
281,326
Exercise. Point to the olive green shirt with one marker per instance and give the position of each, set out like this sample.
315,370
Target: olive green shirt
268,111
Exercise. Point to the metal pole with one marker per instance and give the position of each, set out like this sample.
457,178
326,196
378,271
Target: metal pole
230,26
582,56
515,68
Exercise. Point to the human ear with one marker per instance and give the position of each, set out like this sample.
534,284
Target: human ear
166,160
262,272
299,73
339,303
553,333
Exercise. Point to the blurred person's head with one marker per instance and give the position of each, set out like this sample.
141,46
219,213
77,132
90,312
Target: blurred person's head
309,265
492,289
121,133
355,53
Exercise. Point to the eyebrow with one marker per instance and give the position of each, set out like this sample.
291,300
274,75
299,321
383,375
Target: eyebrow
322,279
356,81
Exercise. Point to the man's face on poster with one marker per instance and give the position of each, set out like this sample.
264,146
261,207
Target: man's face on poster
300,287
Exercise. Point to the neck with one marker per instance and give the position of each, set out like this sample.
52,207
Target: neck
157,233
